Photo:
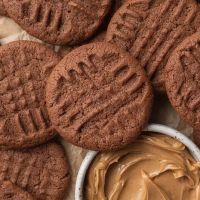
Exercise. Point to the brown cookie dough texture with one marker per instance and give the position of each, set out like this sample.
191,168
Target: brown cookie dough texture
98,97
119,3
58,21
183,75
196,136
40,173
151,29
9,191
2,8
64,50
24,68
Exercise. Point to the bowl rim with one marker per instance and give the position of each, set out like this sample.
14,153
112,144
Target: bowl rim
157,128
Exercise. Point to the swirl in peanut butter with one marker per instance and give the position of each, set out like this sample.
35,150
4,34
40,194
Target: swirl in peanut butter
155,167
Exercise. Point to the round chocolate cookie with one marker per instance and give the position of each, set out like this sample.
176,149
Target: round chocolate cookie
58,21
24,68
98,97
150,30
40,173
196,136
183,80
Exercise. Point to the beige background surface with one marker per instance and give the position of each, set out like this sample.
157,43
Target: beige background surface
163,113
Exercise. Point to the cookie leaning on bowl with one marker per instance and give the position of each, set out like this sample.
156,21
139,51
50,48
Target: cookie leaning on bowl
183,80
150,30
24,68
59,22
98,97
40,173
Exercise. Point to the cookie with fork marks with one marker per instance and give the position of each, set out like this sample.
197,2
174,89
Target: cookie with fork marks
24,68
40,173
183,75
57,21
151,29
98,97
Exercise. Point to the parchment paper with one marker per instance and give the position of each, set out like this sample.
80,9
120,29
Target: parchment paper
162,113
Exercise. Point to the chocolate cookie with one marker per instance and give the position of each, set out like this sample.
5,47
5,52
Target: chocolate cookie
40,173
98,97
183,75
58,21
196,136
150,30
9,191
2,8
24,68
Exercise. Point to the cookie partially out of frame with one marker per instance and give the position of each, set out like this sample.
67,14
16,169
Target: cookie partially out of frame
183,80
98,97
150,30
57,21
40,173
24,68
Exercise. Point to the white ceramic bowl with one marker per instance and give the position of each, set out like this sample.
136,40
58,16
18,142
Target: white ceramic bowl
157,128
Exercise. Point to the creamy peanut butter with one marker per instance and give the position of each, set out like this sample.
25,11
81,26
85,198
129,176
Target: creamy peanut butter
155,167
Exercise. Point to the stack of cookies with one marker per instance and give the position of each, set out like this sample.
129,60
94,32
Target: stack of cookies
97,91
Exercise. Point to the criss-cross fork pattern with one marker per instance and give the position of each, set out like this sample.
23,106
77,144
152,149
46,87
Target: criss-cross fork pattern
20,96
